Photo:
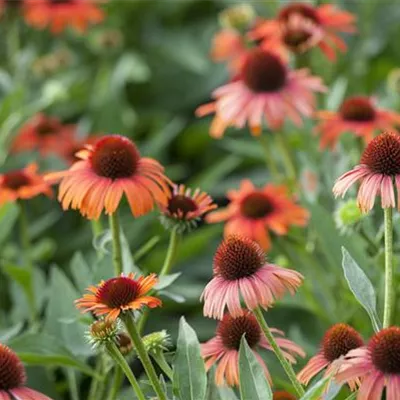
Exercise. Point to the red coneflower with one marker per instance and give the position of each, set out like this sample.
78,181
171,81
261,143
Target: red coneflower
107,170
253,212
61,14
22,184
378,171
13,378
336,343
240,270
185,208
223,349
116,295
265,89
377,365
283,395
356,115
301,26
44,134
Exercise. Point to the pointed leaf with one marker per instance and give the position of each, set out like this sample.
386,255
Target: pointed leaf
166,281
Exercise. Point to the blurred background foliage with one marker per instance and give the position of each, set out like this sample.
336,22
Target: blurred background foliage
141,73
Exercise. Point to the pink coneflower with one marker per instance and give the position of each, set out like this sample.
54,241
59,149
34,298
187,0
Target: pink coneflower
240,270
378,171
377,365
357,115
301,26
336,343
13,378
223,349
265,89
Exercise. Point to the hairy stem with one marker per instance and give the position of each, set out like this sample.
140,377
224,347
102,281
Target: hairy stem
389,288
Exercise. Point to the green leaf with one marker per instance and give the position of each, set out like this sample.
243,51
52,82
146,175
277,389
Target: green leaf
361,287
23,277
253,382
317,390
190,378
8,215
81,272
42,349
167,280
333,391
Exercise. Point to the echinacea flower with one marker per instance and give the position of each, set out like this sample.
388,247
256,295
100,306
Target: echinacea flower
240,271
378,171
223,349
283,395
184,209
336,343
301,26
117,295
253,212
107,170
264,90
377,365
23,184
58,15
357,115
44,134
13,378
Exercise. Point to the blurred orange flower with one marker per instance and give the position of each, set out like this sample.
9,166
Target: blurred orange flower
116,295
22,184
57,15
254,212
107,170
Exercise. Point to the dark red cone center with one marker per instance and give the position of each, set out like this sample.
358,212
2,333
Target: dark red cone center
385,350
357,109
115,157
295,38
12,372
118,292
256,206
180,203
16,180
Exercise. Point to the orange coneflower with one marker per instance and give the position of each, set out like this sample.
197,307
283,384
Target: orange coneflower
60,14
22,184
184,208
116,295
44,134
107,170
223,349
13,378
358,115
253,212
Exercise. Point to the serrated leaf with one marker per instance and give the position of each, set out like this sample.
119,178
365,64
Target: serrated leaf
166,280
253,382
190,378
361,287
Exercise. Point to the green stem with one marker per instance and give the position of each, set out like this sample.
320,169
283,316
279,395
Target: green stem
146,248
142,353
95,385
116,238
162,363
269,159
121,362
278,352
116,384
389,293
169,258
286,156
73,386
97,227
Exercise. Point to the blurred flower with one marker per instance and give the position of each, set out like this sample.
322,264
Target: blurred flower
52,62
116,295
336,343
13,378
44,134
240,270
253,212
102,331
10,5
23,183
157,342
237,17
184,209
347,215
124,343
282,395
223,349
301,26
357,115
377,365
107,170
58,15
265,89
378,171
109,39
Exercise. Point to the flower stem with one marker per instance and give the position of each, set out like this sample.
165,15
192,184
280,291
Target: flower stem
389,294
97,227
116,384
121,362
269,159
286,157
278,352
142,353
169,258
116,238
95,385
